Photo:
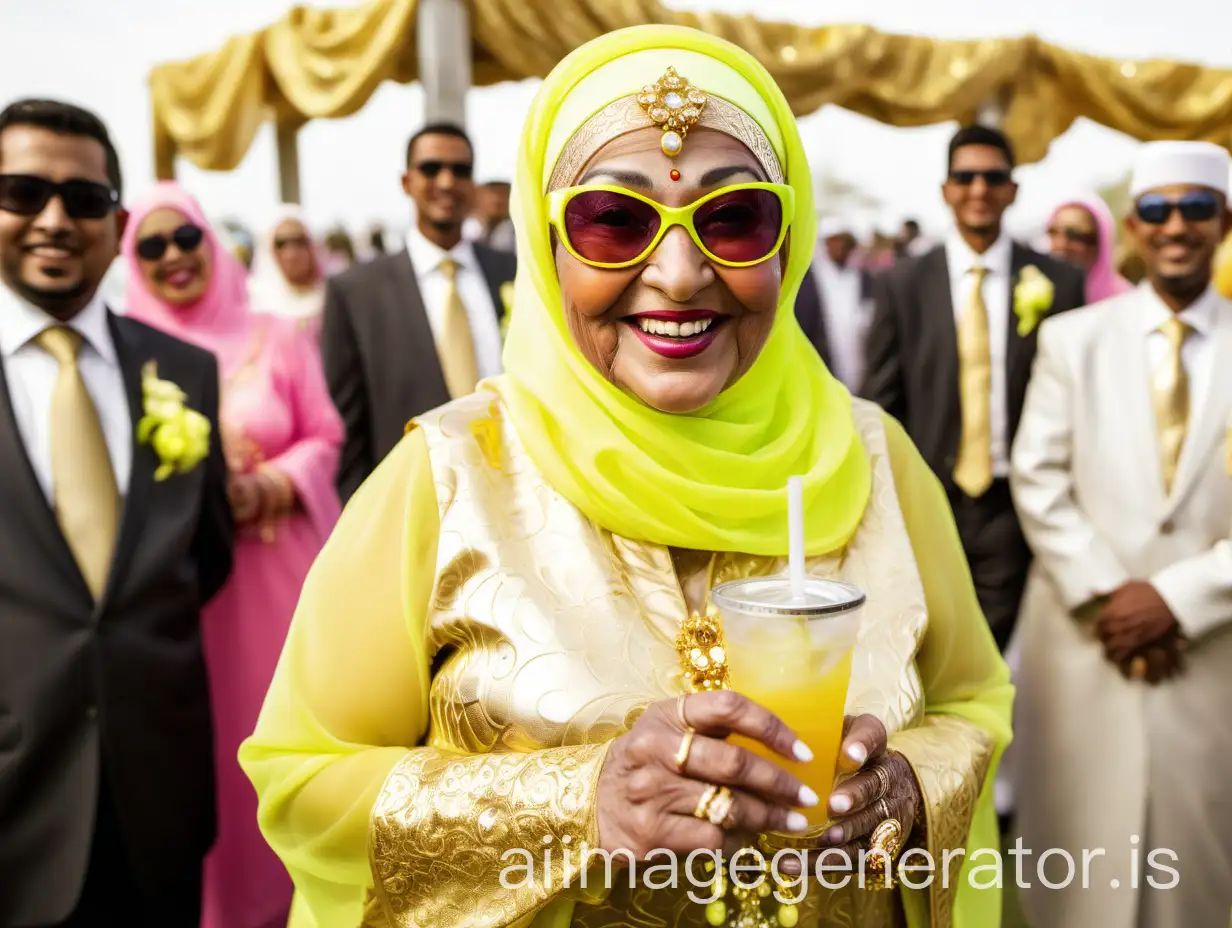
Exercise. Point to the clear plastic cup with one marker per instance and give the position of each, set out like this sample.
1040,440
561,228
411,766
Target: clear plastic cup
794,658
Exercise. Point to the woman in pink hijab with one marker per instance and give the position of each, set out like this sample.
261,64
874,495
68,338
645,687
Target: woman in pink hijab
281,435
1082,231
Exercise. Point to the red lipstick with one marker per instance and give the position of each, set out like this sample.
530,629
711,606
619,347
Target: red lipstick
676,334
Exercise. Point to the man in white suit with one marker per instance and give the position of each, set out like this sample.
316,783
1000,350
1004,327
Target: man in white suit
1121,478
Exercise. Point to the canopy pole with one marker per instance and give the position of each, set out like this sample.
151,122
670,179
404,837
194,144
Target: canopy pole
288,163
443,37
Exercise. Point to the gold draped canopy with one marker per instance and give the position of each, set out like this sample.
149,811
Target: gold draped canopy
316,64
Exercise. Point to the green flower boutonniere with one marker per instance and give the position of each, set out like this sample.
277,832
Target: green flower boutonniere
1032,298
180,436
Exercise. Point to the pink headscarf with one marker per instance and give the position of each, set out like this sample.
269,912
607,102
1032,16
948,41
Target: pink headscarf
219,321
1102,279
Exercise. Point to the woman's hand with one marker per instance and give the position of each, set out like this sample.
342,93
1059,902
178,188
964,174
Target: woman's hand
244,494
645,802
867,799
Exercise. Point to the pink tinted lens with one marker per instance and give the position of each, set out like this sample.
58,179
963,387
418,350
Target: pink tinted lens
609,228
740,226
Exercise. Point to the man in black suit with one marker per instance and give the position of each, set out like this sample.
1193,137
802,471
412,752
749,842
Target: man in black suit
407,332
106,770
950,353
834,305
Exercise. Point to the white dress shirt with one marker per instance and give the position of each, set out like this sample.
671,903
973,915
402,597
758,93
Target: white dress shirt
31,373
1196,350
426,259
996,261
846,318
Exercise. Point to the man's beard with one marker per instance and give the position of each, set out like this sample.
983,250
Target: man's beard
61,303
1184,287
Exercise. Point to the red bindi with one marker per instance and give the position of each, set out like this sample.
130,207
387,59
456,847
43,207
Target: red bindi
675,175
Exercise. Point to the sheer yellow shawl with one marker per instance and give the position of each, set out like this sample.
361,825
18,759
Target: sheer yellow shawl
714,480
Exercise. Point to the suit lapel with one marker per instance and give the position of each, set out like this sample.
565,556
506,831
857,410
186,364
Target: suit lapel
1127,398
410,330
939,335
492,279
129,353
27,496
1209,424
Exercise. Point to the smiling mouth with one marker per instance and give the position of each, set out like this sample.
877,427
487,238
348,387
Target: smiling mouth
677,334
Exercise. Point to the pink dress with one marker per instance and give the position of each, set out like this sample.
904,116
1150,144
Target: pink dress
276,412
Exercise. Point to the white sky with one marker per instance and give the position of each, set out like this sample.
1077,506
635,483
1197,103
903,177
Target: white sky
98,52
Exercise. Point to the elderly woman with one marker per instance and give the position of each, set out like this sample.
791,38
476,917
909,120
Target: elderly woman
484,656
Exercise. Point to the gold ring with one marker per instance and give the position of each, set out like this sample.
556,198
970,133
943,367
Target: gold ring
883,809
720,807
883,846
883,778
682,752
703,804
1137,667
684,723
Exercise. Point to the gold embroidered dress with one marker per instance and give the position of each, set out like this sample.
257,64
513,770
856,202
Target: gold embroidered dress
501,598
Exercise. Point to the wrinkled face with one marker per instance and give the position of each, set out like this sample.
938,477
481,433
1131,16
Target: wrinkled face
1073,236
677,329
1178,251
439,180
52,259
979,189
174,257
293,251
840,247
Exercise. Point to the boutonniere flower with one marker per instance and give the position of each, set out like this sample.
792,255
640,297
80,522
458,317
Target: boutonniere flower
506,295
180,436
1032,298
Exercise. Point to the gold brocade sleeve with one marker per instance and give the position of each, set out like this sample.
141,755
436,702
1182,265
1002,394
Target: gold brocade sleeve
334,757
956,748
482,840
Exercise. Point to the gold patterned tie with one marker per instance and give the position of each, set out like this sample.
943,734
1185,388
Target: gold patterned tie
1171,395
973,472
456,346
87,504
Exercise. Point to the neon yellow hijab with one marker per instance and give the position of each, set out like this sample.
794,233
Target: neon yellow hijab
714,480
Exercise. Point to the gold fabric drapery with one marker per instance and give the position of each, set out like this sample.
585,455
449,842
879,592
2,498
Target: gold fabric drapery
326,63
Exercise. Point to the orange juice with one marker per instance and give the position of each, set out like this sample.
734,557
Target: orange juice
815,715
794,658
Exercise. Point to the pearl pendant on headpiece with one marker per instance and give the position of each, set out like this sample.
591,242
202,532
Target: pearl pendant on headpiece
672,105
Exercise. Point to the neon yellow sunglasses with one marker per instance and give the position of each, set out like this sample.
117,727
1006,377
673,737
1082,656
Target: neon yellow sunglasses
615,227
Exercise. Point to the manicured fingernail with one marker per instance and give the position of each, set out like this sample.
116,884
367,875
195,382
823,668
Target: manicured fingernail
796,822
857,753
840,803
808,798
802,752
834,835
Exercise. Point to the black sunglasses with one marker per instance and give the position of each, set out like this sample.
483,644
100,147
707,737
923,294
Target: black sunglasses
187,238
295,241
1076,236
461,170
1155,209
28,195
991,178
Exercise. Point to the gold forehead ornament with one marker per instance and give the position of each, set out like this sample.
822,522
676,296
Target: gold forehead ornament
674,105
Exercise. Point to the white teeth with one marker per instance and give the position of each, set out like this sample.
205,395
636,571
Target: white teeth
674,329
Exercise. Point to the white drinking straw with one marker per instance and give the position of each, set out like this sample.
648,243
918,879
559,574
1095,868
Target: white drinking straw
795,535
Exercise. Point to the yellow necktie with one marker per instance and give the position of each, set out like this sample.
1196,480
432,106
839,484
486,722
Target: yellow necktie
1171,394
973,472
456,346
87,504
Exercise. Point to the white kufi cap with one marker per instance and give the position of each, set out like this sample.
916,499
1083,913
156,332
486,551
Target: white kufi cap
1163,164
830,226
